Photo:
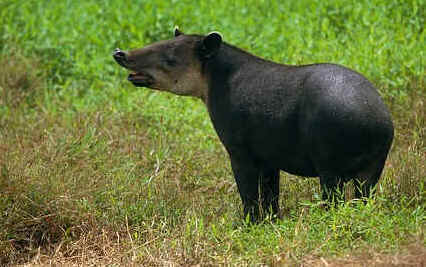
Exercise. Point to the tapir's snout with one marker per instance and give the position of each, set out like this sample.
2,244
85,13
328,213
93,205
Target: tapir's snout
120,56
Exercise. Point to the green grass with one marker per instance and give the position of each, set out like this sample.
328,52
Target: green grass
93,170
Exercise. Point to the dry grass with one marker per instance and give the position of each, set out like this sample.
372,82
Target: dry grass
413,255
406,165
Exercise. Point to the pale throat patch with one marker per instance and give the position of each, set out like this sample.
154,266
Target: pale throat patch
191,83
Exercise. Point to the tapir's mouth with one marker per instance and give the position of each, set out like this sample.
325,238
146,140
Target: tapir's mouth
140,79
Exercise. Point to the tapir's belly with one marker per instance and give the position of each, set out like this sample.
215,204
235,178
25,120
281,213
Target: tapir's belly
280,151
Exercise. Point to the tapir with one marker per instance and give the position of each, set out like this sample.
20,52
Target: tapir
318,120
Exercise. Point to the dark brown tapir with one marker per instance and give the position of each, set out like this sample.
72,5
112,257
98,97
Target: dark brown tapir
311,120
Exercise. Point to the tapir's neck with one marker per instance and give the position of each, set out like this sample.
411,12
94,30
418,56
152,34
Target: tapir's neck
229,62
232,59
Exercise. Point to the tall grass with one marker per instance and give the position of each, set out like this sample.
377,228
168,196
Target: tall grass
94,171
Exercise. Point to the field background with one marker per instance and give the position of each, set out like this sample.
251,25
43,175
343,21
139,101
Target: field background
94,171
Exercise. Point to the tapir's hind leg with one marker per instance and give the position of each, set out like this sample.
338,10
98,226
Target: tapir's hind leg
366,179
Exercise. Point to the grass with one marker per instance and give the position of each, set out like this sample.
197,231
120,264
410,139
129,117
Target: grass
94,171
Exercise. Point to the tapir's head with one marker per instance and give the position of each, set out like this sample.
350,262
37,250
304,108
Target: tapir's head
173,65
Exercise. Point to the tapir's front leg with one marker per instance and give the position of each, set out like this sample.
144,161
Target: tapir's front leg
246,175
270,190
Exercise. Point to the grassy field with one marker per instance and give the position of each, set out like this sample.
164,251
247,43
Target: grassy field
94,171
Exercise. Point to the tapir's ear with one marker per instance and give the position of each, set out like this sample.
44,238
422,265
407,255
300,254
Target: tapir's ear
210,45
177,32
